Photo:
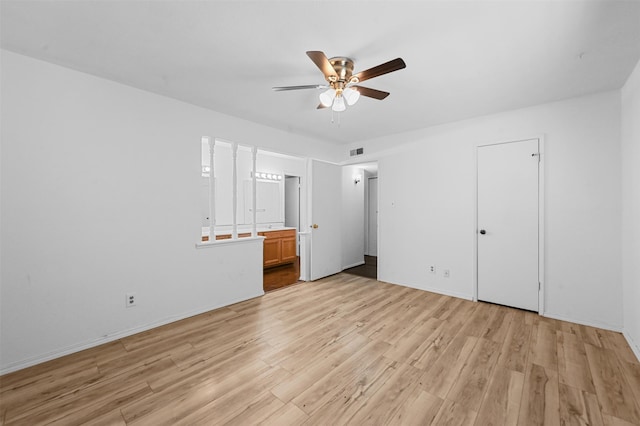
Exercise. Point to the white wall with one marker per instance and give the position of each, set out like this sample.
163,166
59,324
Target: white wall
427,204
100,197
352,217
631,208
287,165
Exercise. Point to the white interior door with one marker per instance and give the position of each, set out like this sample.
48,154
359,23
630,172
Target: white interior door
326,200
372,249
508,224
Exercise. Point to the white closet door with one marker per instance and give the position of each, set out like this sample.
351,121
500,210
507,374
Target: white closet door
508,224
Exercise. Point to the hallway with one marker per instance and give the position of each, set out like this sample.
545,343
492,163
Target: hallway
368,270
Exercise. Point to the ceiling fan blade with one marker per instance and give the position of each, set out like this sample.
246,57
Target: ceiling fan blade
387,67
321,61
308,86
371,93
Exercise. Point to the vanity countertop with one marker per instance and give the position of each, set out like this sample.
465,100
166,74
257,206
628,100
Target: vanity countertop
205,230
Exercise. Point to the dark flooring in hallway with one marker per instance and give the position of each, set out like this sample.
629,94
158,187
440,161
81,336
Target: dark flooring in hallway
368,270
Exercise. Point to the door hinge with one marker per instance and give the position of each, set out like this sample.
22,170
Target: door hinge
539,286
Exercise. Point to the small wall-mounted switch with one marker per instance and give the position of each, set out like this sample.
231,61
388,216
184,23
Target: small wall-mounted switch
131,300
446,273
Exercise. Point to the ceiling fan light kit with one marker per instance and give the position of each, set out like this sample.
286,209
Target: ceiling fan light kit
350,95
343,89
338,104
326,98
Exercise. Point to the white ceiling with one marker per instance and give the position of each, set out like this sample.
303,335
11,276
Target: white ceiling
464,59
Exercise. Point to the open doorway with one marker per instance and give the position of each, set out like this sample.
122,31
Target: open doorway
289,273
369,268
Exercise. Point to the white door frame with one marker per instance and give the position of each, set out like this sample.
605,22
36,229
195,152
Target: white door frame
368,216
541,168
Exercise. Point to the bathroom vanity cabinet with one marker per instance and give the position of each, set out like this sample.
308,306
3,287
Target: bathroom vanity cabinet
279,247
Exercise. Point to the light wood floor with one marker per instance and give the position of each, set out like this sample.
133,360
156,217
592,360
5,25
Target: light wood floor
341,350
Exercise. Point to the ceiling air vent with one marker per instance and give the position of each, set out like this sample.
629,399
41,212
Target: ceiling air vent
357,151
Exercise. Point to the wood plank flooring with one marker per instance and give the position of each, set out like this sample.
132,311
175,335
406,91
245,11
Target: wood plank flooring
343,350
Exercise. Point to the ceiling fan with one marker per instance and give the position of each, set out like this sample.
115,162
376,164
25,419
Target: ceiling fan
343,88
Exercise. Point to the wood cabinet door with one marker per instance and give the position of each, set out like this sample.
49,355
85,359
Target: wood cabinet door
288,249
272,251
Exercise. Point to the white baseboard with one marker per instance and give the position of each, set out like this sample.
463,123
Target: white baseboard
634,346
435,290
353,265
447,293
583,322
29,362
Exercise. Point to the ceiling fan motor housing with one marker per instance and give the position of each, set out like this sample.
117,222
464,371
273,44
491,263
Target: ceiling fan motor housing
344,71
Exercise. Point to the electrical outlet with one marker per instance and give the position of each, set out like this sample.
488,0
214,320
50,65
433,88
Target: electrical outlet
131,300
432,269
446,273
